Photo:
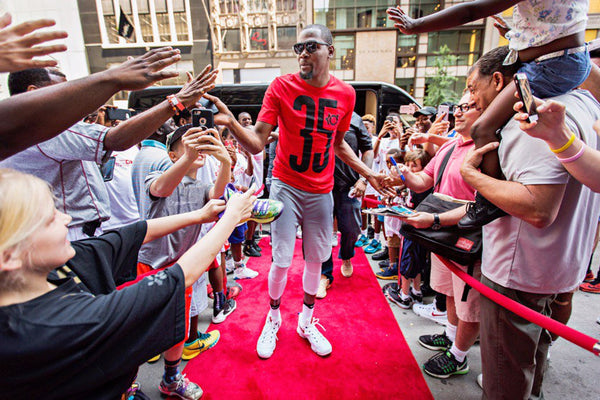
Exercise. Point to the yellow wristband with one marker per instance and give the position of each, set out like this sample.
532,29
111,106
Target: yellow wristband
566,146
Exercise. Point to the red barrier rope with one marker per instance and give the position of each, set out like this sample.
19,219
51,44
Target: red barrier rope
580,339
371,203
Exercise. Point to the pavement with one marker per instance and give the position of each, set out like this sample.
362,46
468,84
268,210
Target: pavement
571,374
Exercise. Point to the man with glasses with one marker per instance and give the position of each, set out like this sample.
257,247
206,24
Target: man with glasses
313,110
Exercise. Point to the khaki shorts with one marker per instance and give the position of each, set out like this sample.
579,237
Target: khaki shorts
444,281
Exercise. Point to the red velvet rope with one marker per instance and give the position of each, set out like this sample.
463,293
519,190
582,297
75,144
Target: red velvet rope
580,339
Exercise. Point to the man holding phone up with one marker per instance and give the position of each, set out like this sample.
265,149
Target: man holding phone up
313,111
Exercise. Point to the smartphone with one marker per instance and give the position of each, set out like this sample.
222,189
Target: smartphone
526,96
203,118
107,169
443,108
117,114
389,118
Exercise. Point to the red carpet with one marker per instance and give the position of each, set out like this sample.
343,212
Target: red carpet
370,358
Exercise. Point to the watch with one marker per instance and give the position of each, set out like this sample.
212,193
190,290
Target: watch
436,223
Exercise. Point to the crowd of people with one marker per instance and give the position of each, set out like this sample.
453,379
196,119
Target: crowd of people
116,230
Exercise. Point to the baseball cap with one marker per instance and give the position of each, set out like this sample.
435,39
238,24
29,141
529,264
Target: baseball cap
428,111
175,136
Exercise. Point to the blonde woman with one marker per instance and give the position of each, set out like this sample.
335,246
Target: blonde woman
64,331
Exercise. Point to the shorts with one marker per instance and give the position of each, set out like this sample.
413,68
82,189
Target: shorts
313,212
413,259
239,234
444,281
394,241
557,75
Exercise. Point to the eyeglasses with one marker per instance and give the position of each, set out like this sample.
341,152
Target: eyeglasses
310,46
464,107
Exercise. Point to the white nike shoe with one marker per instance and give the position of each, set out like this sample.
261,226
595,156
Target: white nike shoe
430,312
244,272
318,343
268,338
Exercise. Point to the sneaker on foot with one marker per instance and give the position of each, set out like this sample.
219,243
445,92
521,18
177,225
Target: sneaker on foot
347,268
431,312
443,365
153,359
323,286
362,241
390,286
480,380
417,297
395,297
436,342
390,273
373,247
590,287
384,264
250,250
382,255
334,240
318,343
589,277
204,342
244,272
181,387
229,265
268,338
479,213
221,312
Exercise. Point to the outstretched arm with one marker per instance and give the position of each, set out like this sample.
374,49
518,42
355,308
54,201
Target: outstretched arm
458,14
33,117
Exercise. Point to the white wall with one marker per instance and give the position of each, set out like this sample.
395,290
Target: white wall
73,62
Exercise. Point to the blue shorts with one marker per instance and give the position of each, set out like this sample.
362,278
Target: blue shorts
557,75
238,234
413,259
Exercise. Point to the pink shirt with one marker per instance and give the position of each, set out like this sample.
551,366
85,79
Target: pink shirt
452,183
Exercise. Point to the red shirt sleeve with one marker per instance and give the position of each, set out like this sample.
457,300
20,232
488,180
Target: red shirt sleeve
271,109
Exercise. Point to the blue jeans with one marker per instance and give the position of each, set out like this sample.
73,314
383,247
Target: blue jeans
557,75
347,212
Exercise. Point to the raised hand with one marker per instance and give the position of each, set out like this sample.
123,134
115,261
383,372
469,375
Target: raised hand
210,145
239,205
211,210
551,120
141,72
19,44
196,87
501,25
402,22
224,116
439,126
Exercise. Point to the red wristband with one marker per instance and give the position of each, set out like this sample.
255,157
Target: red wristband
176,105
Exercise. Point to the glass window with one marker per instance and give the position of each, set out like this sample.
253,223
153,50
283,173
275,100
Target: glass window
257,6
364,18
344,52
259,39
421,8
408,84
286,5
286,37
466,44
407,51
231,40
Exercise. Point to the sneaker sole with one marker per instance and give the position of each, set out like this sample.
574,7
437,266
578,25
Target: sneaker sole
398,303
446,376
218,320
311,347
387,278
434,348
165,394
588,290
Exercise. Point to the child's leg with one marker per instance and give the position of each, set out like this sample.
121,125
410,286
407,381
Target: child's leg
405,286
393,254
416,283
483,131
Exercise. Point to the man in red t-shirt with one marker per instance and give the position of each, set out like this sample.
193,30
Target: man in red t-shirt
312,110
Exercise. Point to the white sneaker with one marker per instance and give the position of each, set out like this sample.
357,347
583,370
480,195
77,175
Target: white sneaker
244,272
268,338
318,343
334,240
323,286
229,265
480,380
598,320
431,312
299,233
347,268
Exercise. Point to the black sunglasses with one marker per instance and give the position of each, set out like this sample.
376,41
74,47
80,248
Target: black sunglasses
464,107
310,46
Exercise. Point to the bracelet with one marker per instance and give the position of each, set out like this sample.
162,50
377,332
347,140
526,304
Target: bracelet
566,145
176,105
573,158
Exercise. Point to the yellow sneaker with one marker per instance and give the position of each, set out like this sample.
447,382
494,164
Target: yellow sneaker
154,359
204,342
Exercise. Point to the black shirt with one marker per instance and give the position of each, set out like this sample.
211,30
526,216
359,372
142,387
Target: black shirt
71,344
359,140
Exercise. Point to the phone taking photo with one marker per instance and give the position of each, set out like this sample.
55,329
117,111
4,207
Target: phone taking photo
526,96
443,109
203,118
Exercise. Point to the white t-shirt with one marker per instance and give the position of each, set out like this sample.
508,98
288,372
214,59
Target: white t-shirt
123,208
519,256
